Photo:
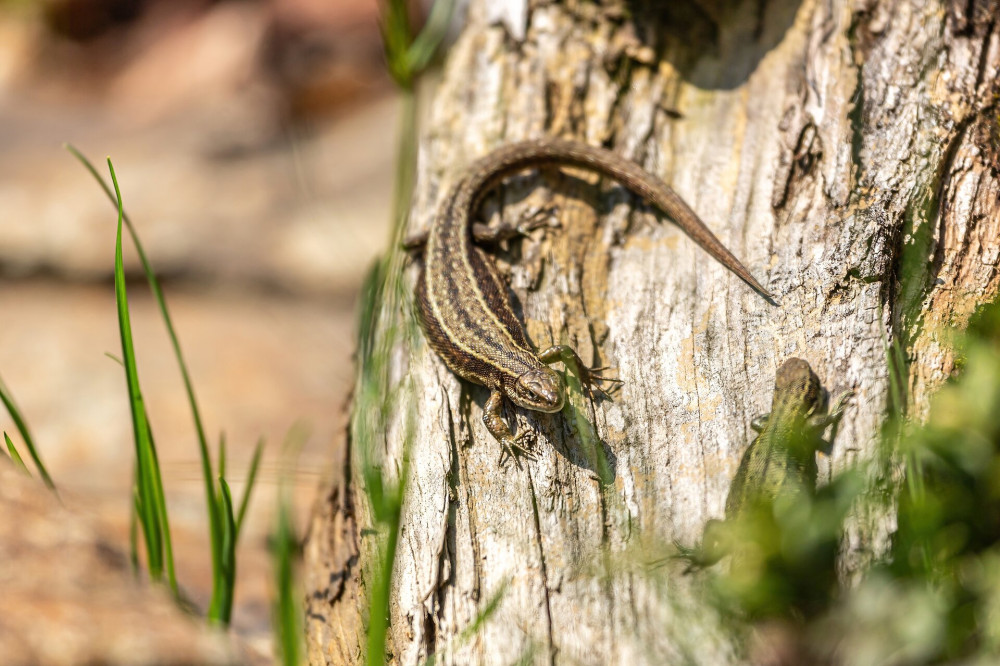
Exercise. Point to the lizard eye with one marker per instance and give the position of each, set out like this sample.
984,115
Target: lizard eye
539,389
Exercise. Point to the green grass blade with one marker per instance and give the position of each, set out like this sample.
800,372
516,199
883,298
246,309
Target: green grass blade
153,515
251,479
22,427
222,455
381,581
160,500
483,616
144,503
133,528
215,529
146,519
406,55
217,534
286,619
394,21
387,325
154,285
224,609
426,44
488,610
14,455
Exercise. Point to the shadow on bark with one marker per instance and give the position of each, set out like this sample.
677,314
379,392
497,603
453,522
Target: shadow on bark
736,34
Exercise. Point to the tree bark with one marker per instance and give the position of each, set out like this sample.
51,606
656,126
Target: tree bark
847,151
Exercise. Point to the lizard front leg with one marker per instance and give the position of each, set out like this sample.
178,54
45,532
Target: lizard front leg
588,376
822,420
495,424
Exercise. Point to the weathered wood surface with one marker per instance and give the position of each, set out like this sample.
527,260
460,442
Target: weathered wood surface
846,151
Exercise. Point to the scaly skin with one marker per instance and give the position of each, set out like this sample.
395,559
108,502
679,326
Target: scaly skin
782,458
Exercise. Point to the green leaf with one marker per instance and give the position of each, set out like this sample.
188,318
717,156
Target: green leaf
22,427
14,455
153,514
251,479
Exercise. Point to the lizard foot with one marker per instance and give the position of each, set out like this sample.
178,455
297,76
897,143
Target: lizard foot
488,235
512,449
546,216
590,378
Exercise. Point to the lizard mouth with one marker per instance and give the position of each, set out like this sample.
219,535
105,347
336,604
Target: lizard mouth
551,404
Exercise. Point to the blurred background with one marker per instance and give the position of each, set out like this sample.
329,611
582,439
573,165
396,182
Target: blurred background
254,143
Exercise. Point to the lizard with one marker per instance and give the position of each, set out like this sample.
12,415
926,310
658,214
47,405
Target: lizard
463,304
781,459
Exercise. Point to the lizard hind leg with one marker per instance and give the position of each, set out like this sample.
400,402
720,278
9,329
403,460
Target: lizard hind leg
486,234
540,218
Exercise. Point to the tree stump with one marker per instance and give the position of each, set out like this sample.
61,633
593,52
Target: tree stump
846,151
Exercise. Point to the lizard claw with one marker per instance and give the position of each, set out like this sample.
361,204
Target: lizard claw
543,217
593,375
589,378
511,448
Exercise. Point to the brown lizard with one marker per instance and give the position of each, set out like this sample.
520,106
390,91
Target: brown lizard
463,303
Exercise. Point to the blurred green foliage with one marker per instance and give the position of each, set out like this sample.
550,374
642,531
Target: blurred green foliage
784,552
934,595
947,542
386,326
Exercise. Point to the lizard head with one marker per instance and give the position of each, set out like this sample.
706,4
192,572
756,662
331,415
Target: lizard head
799,407
797,384
540,389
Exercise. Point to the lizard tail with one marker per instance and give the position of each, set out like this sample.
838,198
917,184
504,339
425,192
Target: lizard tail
562,152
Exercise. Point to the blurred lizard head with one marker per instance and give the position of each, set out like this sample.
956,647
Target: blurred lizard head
797,387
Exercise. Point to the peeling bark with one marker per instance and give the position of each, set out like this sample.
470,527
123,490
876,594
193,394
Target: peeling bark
845,150
335,607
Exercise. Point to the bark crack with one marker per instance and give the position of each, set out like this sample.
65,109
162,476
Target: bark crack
545,575
696,394
447,552
984,52
944,177
461,469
